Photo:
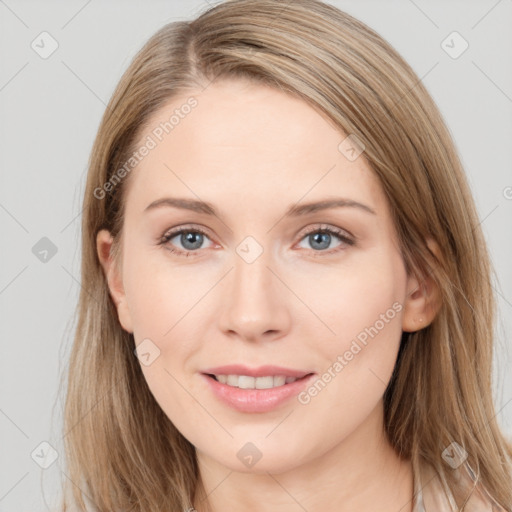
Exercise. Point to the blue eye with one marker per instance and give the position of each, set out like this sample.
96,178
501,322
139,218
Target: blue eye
192,239
320,239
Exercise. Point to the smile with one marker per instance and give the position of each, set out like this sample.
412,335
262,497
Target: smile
263,391
248,382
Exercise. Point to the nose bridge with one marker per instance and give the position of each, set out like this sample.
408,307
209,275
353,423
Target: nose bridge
255,305
251,276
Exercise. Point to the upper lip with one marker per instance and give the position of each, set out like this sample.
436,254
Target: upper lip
260,371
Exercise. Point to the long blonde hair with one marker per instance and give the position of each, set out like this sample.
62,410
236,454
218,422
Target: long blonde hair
122,451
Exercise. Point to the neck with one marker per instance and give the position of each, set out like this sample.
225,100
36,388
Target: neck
362,472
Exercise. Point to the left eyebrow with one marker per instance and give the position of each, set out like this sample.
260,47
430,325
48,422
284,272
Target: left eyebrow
306,208
293,211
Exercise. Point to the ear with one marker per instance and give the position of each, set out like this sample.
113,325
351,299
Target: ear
423,299
113,276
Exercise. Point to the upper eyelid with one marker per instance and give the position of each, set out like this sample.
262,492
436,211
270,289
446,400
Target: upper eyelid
185,227
326,227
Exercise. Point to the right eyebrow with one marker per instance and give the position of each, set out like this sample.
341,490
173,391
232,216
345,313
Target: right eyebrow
186,204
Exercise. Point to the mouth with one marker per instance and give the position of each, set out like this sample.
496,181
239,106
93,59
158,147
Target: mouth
256,390
250,382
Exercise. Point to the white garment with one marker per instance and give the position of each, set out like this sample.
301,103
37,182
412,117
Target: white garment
431,496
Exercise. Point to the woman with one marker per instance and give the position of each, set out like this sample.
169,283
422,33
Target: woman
287,301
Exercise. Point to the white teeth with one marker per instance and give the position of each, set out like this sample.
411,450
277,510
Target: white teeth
279,381
248,382
232,380
264,382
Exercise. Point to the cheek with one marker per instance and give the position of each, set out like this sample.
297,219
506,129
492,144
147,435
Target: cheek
369,305
364,309
158,295
358,301
161,302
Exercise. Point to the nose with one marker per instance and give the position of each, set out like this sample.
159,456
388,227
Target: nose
254,302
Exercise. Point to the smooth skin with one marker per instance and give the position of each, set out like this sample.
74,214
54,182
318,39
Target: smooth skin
252,152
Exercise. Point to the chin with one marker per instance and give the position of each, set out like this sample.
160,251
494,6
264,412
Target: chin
260,457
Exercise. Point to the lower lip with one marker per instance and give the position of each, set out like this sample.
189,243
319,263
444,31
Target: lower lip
256,400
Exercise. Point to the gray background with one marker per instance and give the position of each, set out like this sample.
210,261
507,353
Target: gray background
49,113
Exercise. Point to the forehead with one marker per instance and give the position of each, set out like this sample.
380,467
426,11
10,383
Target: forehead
245,139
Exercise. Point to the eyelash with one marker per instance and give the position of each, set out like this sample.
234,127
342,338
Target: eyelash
340,234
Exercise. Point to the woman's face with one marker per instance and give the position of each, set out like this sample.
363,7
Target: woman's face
258,285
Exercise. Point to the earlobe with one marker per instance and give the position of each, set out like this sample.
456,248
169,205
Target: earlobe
113,277
423,299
